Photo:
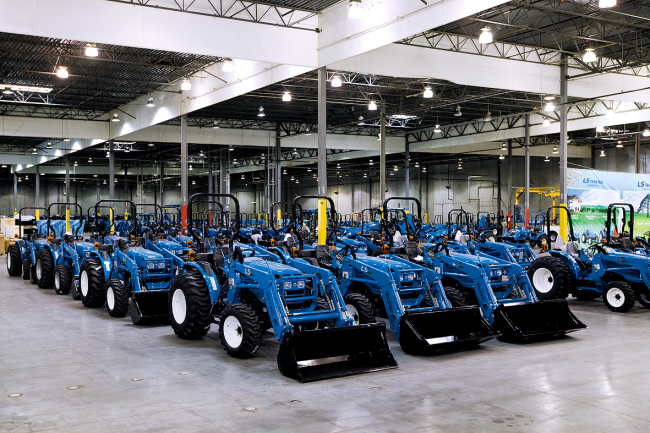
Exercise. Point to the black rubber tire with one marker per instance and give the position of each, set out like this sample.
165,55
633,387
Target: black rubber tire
542,240
62,280
532,243
46,281
560,277
553,236
27,270
628,296
95,296
643,296
249,330
586,295
455,297
365,312
120,297
198,307
14,264
583,238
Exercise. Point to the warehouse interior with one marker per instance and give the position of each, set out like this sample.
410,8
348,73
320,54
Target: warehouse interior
446,109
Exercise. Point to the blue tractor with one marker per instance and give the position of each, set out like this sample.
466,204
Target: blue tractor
301,303
21,256
617,276
123,275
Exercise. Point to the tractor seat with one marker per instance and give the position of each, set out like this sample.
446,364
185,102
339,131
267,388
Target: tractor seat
204,257
312,261
627,244
323,255
306,253
573,250
411,250
220,256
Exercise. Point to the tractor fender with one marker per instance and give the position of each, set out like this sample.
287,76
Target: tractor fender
569,261
208,275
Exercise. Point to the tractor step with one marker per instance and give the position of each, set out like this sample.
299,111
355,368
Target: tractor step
535,320
149,308
308,356
426,332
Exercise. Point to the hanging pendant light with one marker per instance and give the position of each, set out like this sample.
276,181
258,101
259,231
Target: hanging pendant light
354,10
546,123
589,56
486,36
336,81
372,106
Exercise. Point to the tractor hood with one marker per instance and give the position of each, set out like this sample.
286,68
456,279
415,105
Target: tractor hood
170,246
475,260
381,263
82,247
267,266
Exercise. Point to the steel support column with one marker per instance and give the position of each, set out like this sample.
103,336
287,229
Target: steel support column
637,146
184,191
37,190
407,174
564,70
162,183
67,179
511,202
15,193
111,170
322,131
382,154
527,179
278,165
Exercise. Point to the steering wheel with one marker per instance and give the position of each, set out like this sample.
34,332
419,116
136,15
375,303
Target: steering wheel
440,247
598,248
352,250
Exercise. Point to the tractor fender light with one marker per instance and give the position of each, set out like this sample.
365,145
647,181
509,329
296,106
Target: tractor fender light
191,255
189,244
96,245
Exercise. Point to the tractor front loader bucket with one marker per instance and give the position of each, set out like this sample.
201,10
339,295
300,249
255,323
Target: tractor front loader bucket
149,308
535,320
425,332
335,352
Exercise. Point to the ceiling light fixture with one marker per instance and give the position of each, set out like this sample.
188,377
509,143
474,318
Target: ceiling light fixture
646,133
606,3
602,152
546,123
546,159
261,112
600,129
458,113
354,10
371,163
90,160
115,118
191,167
361,122
295,151
372,106
104,181
91,50
227,65
286,97
550,107
150,103
549,98
336,81
502,157
34,152
66,139
42,174
428,92
193,182
486,36
11,88
230,148
308,132
150,145
437,129
619,144
555,151
49,144
62,72
488,117
185,84
589,56
215,125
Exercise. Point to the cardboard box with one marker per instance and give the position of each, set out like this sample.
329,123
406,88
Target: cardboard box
3,250
8,242
11,231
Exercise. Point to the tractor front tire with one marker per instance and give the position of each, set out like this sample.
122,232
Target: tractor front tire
62,280
618,296
239,331
27,270
550,277
45,269
14,264
542,241
643,296
455,297
359,308
117,298
91,283
189,305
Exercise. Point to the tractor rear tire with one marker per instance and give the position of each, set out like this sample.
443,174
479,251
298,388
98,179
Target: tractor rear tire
62,280
45,269
643,296
91,283
553,236
14,264
455,297
550,277
27,269
189,305
618,296
542,241
239,331
359,308
117,298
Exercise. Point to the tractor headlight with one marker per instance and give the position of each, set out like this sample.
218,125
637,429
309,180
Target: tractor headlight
87,255
410,276
496,272
150,265
161,265
287,285
300,284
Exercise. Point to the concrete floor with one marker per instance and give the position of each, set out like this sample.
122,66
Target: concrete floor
591,381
